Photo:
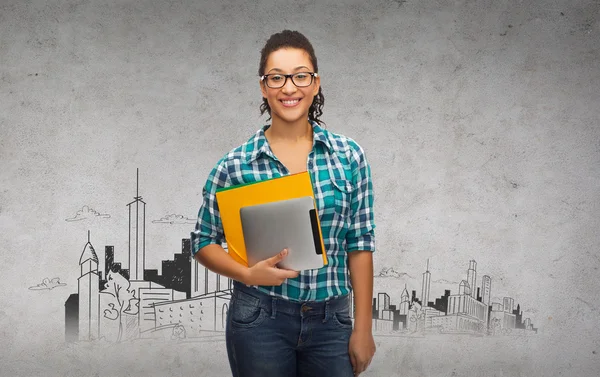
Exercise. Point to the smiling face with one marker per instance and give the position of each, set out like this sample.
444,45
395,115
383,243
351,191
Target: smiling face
289,103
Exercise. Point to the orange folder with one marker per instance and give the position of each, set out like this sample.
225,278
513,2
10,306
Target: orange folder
231,199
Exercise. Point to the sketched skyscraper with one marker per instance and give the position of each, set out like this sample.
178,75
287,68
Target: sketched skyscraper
486,287
509,302
89,300
464,288
405,302
137,234
472,278
425,286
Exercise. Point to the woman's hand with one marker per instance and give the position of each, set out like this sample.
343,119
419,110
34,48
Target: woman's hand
361,349
267,273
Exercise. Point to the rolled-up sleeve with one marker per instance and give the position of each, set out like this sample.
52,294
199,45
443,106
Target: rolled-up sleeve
209,228
361,232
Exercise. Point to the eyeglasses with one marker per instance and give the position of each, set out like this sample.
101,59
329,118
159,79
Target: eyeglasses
278,80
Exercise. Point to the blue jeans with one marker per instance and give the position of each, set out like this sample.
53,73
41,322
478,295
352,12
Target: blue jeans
271,337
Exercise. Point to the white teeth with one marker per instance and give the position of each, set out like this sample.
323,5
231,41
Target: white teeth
290,102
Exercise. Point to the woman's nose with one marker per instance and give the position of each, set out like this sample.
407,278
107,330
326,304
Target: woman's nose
289,86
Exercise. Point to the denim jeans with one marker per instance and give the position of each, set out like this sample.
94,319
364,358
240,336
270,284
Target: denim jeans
271,337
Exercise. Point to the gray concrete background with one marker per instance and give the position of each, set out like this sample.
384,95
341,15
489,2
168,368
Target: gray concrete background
480,120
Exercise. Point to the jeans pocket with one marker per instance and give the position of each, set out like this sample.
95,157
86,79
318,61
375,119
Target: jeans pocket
245,314
342,320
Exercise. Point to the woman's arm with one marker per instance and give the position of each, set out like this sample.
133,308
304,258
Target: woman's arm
362,345
360,241
361,277
208,235
265,272
216,259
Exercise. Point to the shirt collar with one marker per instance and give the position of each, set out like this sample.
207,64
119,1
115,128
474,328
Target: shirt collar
261,144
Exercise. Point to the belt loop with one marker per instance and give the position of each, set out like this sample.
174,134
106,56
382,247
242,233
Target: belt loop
326,311
273,307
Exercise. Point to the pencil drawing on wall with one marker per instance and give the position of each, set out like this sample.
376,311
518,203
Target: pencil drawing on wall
121,302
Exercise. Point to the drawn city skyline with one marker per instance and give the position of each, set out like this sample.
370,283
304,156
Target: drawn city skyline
189,301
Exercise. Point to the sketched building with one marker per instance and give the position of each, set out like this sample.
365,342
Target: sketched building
404,302
464,288
206,282
464,311
426,285
508,304
149,298
383,318
428,308
93,313
501,317
88,295
72,318
472,278
137,234
486,287
383,306
196,316
165,312
464,314
431,313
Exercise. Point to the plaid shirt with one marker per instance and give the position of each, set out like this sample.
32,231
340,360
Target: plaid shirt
343,191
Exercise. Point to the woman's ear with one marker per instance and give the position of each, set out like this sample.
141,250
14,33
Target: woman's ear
263,88
317,85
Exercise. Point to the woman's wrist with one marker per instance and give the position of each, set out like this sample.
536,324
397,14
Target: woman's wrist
364,325
243,275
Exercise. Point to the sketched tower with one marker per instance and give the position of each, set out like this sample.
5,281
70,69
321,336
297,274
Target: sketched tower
426,286
405,302
137,234
472,278
486,288
89,291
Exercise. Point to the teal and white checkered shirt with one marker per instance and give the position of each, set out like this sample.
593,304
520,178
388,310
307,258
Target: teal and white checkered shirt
343,191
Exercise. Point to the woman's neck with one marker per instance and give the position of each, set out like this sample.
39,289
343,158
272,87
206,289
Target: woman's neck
289,132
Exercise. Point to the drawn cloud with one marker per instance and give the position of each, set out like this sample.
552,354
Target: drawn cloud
48,284
389,272
175,219
444,281
87,213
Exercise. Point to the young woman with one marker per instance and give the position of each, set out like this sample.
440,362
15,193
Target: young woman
297,323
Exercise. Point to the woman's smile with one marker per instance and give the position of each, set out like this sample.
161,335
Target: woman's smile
290,102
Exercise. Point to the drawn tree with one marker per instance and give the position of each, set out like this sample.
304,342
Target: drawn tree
127,304
481,327
495,326
416,315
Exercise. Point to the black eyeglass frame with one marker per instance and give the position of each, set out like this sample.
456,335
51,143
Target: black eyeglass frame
290,76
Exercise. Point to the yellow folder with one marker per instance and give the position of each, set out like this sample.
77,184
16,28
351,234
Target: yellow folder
231,199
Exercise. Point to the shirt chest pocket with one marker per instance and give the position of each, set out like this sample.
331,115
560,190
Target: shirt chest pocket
342,197
337,190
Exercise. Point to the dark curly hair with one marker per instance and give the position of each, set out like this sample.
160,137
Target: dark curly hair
292,39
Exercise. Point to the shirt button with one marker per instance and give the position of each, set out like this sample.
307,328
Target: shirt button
306,287
310,165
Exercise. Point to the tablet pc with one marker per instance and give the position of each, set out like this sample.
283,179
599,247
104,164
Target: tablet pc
292,223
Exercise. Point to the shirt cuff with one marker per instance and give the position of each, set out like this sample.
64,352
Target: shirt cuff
364,242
